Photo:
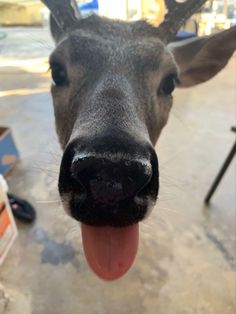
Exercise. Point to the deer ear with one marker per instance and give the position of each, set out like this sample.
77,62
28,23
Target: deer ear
200,59
56,32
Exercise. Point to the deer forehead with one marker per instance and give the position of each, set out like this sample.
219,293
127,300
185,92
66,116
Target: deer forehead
113,43
85,52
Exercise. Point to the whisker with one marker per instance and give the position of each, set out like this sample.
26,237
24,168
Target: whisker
46,170
40,42
47,202
167,209
174,113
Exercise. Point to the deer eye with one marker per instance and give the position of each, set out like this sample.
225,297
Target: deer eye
59,76
168,85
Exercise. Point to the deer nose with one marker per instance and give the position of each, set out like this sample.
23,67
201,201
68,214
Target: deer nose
114,187
106,181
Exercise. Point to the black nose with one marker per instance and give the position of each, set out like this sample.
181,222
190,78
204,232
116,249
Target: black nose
108,181
108,187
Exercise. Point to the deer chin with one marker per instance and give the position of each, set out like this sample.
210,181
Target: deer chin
110,251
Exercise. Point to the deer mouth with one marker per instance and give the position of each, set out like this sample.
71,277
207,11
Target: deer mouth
118,214
109,197
110,231
110,240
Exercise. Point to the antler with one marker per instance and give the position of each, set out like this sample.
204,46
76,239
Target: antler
178,13
65,12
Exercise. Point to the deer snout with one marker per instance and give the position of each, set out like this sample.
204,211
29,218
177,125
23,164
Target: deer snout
107,188
107,181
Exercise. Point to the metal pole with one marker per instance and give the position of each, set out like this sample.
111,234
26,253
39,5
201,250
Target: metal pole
220,174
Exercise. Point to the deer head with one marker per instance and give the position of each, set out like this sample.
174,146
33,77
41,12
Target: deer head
112,85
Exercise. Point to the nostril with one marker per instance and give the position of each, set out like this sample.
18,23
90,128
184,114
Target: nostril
144,189
86,168
79,164
143,175
78,184
151,187
139,174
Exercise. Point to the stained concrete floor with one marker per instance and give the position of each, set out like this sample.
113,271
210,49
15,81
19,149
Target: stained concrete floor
186,262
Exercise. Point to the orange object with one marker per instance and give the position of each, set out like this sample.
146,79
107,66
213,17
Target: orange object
8,231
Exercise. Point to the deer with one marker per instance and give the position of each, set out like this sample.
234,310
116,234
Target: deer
112,90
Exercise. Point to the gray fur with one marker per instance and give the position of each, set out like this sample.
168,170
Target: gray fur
115,69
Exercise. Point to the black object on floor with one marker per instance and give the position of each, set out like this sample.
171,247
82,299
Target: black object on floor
21,209
222,171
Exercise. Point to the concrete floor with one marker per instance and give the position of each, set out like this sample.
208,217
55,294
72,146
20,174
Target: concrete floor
186,262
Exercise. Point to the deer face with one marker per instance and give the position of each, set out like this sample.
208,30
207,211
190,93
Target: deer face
112,93
112,97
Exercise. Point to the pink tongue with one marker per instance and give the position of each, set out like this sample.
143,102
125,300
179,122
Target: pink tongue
110,251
